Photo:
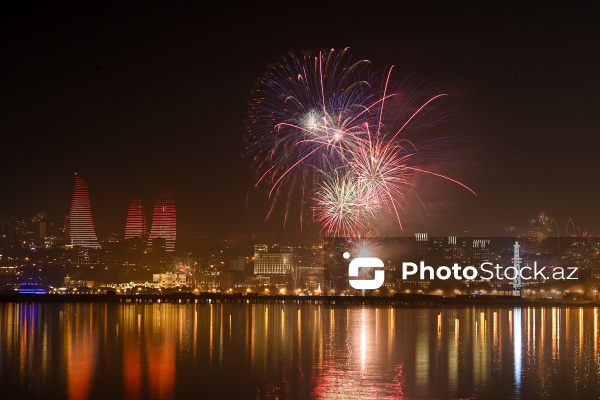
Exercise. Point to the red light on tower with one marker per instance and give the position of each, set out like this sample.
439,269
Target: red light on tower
81,224
135,226
164,220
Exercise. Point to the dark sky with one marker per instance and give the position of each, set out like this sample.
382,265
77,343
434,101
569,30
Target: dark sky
135,97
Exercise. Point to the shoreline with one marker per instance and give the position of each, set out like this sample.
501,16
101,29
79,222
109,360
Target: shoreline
425,301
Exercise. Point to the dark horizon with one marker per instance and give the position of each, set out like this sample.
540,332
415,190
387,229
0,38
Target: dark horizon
135,99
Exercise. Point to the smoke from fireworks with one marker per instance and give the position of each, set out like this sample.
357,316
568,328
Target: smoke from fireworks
338,136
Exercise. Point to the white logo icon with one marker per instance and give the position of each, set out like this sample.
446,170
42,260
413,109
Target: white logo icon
365,262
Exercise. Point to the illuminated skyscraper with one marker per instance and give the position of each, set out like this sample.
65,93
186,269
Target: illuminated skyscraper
135,226
81,224
164,220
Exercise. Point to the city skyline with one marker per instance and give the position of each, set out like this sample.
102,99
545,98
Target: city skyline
80,226
137,224
522,90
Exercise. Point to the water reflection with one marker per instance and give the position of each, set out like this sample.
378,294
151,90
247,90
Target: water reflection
517,351
296,351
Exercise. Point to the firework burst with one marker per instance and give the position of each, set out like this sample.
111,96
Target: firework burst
329,131
343,205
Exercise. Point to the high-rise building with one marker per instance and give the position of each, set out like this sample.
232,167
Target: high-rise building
422,244
164,220
42,229
81,224
480,250
135,225
273,262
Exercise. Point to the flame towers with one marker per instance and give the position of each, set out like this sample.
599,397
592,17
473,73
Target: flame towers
164,221
135,226
81,224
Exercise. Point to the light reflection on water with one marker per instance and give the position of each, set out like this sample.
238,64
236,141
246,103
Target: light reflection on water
296,351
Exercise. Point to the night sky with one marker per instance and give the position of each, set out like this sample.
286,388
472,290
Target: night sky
137,97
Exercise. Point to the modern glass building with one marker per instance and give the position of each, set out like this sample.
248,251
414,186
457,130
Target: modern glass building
135,225
81,224
164,220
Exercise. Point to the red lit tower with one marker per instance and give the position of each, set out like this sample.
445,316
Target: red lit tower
164,220
81,224
135,226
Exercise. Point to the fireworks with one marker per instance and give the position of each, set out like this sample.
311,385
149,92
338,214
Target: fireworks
343,205
335,135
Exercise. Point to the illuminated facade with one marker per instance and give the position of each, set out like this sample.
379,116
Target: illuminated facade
135,226
81,224
273,263
169,279
164,220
